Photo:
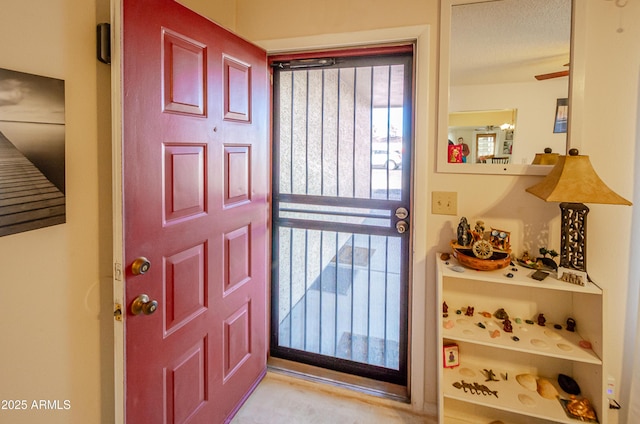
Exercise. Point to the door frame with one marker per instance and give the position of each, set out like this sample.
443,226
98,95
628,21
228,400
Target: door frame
117,211
420,297
401,54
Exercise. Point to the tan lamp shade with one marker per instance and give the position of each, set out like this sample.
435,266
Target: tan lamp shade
574,180
545,159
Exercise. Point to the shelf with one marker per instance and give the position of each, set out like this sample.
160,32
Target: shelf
521,277
511,396
547,350
546,341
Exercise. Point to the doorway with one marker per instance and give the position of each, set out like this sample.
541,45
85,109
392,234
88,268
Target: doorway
342,136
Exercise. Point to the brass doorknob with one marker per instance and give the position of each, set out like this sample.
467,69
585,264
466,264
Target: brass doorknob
402,226
140,266
143,305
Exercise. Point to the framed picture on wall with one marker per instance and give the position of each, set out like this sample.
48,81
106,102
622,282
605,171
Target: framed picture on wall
32,152
562,115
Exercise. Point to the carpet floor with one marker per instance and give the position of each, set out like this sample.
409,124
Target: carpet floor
281,399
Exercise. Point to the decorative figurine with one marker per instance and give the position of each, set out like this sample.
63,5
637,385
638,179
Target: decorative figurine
495,333
568,384
548,262
445,310
469,311
474,248
501,314
507,326
585,344
475,388
541,320
581,409
571,324
500,239
491,376
464,236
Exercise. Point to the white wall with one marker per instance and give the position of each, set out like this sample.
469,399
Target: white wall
536,105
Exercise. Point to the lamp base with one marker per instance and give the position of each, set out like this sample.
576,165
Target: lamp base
573,236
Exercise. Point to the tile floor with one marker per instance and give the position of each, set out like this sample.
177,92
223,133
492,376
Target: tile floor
281,399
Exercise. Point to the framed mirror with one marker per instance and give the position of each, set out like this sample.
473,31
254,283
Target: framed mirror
503,84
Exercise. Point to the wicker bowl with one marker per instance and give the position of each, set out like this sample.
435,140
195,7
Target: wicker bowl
498,260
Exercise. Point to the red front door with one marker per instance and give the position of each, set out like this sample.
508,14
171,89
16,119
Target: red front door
195,187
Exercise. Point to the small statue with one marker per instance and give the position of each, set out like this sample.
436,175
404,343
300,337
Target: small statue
479,227
507,326
445,309
469,311
541,320
571,324
501,314
581,408
464,236
491,376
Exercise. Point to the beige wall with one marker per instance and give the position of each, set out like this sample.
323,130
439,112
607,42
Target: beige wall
55,288
261,20
221,12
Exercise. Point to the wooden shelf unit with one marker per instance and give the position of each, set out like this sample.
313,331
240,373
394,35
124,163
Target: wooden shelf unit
543,351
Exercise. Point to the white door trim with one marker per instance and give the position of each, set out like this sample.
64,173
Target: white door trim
117,205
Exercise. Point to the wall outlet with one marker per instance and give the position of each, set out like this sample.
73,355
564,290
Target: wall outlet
444,203
611,387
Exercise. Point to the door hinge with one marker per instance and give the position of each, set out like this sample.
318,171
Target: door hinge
117,312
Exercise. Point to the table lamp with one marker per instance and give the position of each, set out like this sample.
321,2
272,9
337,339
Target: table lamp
573,182
546,158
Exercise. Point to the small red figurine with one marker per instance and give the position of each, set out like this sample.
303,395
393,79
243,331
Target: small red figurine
541,320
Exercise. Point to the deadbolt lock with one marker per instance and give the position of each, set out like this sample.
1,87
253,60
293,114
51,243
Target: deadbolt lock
140,266
402,213
143,305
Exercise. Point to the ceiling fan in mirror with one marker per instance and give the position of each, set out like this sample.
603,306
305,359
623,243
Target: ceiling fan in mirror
551,75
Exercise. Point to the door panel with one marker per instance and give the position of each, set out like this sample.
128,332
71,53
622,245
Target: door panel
195,187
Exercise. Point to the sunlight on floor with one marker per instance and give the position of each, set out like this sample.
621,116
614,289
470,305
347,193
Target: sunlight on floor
282,399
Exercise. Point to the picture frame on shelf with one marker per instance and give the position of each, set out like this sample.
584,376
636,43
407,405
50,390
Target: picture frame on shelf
450,356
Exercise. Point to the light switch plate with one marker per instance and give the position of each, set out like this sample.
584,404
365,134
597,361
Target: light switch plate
444,203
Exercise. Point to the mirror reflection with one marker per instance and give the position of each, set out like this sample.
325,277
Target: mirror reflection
484,136
508,66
